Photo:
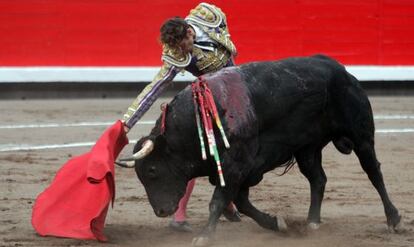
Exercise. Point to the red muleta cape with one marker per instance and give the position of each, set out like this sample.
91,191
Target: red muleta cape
76,202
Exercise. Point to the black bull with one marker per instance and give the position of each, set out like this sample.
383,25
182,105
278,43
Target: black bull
271,112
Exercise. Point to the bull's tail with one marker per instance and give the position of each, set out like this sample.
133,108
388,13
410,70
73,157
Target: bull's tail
353,114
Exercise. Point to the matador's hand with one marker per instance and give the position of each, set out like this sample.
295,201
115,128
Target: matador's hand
126,129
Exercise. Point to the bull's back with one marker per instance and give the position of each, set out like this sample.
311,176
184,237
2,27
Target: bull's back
288,87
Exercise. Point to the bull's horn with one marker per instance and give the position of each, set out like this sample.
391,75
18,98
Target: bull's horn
146,149
127,164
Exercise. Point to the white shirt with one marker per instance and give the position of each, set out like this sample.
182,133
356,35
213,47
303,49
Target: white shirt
201,36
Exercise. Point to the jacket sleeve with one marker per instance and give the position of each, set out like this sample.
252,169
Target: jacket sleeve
150,93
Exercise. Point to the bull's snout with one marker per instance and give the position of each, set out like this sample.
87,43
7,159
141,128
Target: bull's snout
162,213
166,211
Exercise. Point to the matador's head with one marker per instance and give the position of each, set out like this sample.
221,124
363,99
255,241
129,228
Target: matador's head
178,34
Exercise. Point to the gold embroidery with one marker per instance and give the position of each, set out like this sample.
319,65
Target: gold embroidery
207,15
174,57
209,61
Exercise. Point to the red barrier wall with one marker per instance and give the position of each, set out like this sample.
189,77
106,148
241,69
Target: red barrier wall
125,32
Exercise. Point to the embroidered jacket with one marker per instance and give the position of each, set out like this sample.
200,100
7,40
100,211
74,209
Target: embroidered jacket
212,51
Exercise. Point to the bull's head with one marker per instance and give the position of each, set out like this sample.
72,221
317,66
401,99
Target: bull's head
161,172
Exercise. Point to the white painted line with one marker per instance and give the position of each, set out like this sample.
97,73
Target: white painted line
25,147
386,131
41,147
388,117
56,125
150,122
82,74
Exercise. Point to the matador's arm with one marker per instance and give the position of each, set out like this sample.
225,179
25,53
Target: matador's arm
150,93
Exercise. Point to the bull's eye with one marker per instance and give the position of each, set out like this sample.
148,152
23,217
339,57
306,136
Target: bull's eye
152,172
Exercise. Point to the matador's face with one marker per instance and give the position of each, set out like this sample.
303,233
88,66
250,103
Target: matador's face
186,45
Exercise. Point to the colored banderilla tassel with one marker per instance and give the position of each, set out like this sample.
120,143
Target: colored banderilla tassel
199,130
206,105
214,112
215,153
204,115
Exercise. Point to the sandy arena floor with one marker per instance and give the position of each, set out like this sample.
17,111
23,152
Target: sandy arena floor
352,211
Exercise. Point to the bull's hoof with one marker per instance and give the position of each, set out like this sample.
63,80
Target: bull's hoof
232,216
281,224
182,226
397,228
201,241
313,226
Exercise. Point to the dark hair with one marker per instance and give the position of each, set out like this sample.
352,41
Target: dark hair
173,31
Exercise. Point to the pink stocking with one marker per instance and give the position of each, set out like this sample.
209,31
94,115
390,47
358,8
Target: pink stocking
180,214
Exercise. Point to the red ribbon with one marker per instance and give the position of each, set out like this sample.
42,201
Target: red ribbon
164,108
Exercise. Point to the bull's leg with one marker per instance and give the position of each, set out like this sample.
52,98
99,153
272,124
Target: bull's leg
310,164
218,203
264,220
370,164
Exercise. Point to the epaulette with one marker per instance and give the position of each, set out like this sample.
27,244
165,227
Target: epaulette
174,57
212,20
207,15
